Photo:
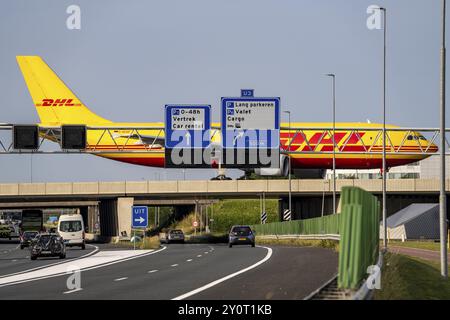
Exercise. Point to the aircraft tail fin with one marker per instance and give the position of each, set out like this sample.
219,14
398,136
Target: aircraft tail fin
55,103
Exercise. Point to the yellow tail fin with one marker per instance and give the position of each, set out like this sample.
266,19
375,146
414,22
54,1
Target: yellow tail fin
55,103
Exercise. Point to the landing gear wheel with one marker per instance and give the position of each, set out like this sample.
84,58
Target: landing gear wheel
230,245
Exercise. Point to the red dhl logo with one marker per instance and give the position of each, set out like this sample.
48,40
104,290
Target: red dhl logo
57,103
322,139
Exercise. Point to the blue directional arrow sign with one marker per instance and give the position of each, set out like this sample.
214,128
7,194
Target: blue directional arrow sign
139,217
187,126
250,122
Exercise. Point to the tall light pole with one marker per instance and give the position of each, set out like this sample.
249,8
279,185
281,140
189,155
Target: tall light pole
383,173
289,172
442,196
333,76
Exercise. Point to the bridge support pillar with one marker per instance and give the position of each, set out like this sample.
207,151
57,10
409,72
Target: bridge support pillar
115,217
108,218
93,220
124,215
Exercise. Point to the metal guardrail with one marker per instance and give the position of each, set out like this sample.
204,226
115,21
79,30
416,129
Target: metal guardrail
364,293
335,237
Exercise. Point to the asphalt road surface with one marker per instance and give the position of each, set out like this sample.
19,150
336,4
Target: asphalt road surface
13,259
177,271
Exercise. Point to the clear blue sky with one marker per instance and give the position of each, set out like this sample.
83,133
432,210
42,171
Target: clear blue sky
130,58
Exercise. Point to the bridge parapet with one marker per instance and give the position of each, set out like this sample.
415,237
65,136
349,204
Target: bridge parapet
215,188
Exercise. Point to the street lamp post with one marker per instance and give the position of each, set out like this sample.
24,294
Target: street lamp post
383,173
289,158
333,76
442,195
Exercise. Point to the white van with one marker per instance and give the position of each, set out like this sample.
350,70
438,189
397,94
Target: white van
71,229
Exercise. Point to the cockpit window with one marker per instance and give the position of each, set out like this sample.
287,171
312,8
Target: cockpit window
417,137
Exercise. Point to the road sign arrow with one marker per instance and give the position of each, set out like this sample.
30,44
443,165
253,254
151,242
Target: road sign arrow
140,220
240,135
187,135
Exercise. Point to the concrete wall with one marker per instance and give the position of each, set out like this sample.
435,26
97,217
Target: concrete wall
115,216
124,215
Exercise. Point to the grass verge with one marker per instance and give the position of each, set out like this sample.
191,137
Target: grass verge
429,245
227,213
408,278
148,243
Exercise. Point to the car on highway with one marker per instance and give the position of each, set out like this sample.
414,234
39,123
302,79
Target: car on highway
175,235
47,245
71,229
26,237
241,235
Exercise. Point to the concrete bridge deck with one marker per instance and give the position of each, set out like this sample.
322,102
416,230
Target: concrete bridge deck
204,188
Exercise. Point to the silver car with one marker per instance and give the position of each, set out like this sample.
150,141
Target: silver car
241,235
176,235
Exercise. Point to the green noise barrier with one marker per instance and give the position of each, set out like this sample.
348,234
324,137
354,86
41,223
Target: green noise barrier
323,225
360,228
358,225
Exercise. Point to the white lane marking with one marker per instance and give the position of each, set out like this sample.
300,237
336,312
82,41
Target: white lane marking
198,256
212,284
14,260
189,260
53,264
174,265
152,271
90,263
72,291
120,279
206,252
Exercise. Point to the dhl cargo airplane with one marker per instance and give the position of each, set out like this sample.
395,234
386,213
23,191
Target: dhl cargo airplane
56,105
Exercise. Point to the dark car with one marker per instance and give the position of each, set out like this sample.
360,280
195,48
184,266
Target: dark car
49,245
26,237
241,235
174,236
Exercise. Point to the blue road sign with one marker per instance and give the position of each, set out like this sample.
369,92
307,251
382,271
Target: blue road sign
247,92
250,122
139,217
187,126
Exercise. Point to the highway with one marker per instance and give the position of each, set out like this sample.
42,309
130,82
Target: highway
14,260
175,271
